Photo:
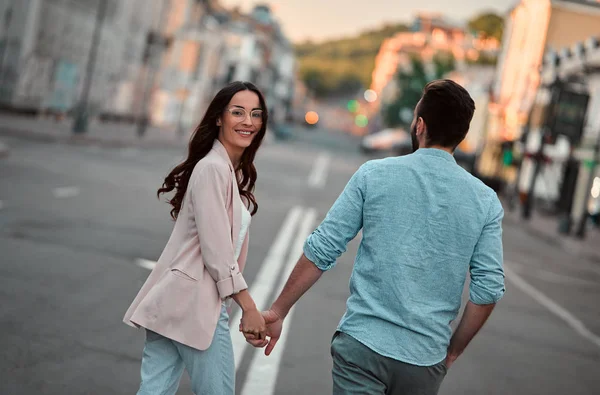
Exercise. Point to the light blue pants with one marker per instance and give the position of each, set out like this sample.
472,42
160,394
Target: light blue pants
212,371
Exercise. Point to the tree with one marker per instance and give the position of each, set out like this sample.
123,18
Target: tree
489,25
336,67
410,84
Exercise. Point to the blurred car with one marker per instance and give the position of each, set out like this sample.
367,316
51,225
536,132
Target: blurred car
384,140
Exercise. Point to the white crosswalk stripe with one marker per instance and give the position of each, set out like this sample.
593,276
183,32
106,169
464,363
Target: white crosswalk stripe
318,175
65,192
264,284
263,371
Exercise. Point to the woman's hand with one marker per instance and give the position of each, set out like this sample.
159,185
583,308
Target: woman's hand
253,324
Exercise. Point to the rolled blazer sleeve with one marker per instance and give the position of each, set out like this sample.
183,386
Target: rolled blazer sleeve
209,199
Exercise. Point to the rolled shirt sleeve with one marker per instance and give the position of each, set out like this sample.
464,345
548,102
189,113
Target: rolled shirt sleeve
209,200
342,223
487,273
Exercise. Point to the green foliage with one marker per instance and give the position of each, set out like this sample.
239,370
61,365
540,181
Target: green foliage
410,84
488,24
486,60
343,66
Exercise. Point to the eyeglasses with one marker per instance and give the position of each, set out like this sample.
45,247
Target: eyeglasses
256,116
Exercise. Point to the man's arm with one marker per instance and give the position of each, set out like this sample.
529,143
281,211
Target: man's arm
321,250
472,320
487,282
302,278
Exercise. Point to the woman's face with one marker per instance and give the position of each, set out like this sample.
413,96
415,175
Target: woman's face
241,121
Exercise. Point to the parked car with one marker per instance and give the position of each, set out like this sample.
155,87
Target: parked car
383,140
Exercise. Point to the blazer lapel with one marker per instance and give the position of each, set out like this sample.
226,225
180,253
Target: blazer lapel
235,203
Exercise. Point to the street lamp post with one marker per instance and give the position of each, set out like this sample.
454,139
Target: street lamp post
155,38
80,122
5,42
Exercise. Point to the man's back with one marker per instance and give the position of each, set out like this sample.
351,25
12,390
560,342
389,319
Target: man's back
423,220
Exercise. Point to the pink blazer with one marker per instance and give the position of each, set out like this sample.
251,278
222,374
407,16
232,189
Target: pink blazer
181,299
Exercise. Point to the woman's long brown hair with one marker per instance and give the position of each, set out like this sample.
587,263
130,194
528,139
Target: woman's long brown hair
201,143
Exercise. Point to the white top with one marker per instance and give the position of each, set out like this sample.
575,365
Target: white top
246,218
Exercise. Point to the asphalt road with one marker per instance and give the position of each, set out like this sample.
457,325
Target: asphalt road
75,221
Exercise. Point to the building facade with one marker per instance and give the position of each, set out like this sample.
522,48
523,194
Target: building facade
217,47
578,69
532,28
46,47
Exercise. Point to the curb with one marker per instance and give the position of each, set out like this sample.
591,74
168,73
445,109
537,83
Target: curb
564,242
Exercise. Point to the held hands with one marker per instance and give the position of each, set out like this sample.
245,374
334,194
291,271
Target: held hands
253,325
274,325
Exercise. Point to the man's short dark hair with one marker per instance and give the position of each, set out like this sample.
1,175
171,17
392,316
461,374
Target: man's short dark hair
447,109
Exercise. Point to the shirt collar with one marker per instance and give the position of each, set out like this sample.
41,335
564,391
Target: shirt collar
435,152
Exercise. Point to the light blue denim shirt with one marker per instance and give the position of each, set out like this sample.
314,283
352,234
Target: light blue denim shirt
425,222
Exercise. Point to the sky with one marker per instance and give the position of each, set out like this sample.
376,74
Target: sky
325,19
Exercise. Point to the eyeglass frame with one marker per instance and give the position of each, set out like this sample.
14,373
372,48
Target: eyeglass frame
257,122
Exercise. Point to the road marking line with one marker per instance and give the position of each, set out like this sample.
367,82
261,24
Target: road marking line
65,192
550,276
145,263
318,175
264,283
263,371
552,306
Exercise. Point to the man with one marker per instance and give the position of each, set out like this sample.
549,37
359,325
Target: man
425,223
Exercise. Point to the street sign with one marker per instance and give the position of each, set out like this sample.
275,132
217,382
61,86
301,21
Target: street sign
568,115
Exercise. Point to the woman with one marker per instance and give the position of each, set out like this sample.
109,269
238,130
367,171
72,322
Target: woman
183,304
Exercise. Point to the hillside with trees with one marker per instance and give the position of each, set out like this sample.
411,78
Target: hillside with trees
344,66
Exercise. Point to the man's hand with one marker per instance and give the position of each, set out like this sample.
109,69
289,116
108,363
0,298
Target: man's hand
304,275
450,358
274,325
471,322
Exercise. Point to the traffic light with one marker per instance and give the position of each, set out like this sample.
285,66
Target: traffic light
507,153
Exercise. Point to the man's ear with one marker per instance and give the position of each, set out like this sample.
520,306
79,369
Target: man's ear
421,127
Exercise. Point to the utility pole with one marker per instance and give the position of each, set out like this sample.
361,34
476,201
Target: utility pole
581,227
5,42
81,119
155,38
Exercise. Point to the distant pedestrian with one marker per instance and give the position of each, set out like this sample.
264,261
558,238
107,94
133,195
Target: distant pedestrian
183,305
426,222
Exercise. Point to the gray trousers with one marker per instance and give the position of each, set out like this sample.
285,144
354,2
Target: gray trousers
358,370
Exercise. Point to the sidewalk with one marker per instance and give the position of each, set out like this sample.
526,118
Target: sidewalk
104,134
546,228
107,134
